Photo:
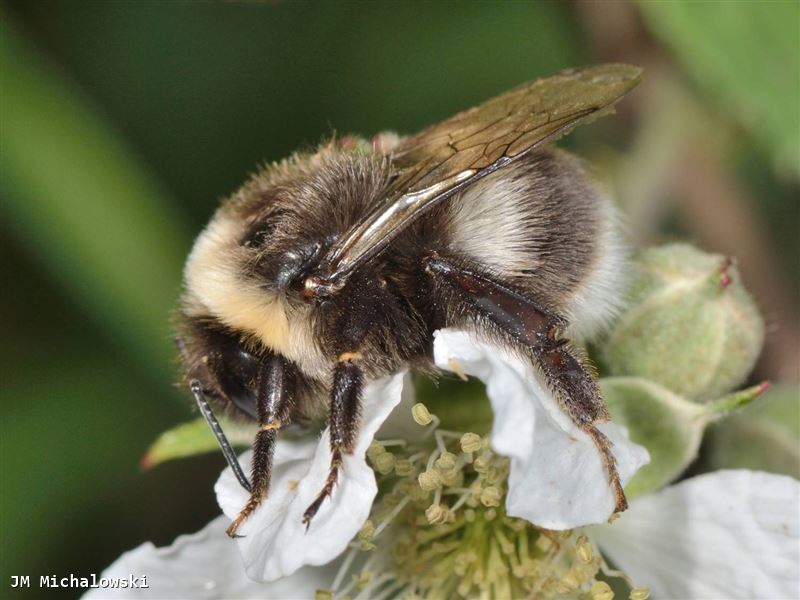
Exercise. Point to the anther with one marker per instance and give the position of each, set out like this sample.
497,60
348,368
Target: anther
600,590
470,442
490,496
429,480
436,514
583,549
384,463
456,368
421,414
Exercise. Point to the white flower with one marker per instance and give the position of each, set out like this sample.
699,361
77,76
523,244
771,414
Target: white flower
275,542
205,564
728,534
723,535
557,479
208,564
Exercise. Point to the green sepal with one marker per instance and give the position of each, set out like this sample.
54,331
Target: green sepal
195,437
669,426
763,437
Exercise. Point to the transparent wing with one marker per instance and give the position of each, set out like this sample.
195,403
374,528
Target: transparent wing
437,162
509,125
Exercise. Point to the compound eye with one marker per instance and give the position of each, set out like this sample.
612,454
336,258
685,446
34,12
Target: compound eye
236,371
294,265
291,264
239,381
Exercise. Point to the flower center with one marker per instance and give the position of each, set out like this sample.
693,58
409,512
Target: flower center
442,500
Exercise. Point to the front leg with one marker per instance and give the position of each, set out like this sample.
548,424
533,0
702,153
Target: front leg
273,407
344,419
537,331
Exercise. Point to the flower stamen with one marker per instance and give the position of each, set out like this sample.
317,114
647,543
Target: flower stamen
445,505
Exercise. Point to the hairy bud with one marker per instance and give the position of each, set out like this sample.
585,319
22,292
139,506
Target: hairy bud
691,326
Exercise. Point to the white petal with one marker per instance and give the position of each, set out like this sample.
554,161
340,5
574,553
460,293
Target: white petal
400,424
728,534
275,542
202,565
557,478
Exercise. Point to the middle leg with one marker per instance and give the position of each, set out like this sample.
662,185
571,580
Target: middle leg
343,420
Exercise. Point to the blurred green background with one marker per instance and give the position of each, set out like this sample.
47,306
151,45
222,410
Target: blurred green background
124,123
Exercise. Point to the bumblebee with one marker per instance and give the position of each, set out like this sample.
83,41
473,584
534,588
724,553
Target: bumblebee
336,266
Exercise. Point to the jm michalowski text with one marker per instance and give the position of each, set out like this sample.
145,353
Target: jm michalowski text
74,581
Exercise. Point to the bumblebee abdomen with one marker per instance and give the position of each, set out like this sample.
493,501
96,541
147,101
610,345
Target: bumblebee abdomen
540,225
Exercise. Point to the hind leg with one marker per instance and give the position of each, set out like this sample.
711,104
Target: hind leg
536,331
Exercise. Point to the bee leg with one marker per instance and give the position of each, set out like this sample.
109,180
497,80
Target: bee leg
535,331
273,407
345,411
578,394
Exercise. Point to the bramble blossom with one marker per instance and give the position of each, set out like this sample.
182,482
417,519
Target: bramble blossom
725,534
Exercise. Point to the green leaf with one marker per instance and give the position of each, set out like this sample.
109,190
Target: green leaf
195,437
746,55
764,436
85,206
670,427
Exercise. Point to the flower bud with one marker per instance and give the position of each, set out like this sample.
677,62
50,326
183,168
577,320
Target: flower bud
690,326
